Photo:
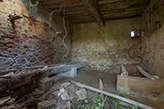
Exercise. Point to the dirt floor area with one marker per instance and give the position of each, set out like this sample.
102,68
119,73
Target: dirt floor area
65,95
92,78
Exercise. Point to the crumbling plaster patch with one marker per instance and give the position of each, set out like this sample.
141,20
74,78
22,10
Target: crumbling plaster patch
153,38
105,47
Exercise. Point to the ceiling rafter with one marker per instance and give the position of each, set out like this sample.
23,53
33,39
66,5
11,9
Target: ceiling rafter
93,7
84,11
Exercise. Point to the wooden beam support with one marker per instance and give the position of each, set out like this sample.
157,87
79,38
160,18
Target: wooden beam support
93,7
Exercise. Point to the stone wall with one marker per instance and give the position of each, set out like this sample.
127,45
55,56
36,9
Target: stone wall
102,48
153,38
33,41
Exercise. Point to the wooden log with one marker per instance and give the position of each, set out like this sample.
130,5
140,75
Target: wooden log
4,100
124,71
3,72
145,73
19,79
112,95
11,82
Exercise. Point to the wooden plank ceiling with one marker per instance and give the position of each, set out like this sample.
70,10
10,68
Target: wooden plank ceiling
84,11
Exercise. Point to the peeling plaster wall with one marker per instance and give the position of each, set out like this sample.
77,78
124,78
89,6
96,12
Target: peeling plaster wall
32,42
153,38
102,48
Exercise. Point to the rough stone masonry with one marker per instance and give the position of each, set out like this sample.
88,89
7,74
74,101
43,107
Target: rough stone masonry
33,40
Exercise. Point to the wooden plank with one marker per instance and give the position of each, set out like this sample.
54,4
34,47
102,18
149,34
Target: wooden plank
82,19
71,9
108,1
145,73
74,12
92,6
13,81
59,1
124,71
122,15
3,72
123,5
4,100
108,11
101,88
66,5
111,95
85,17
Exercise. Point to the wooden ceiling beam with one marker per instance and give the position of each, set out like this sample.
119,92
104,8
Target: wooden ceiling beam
123,5
108,1
80,22
80,17
64,5
93,7
47,2
71,9
73,12
126,10
121,15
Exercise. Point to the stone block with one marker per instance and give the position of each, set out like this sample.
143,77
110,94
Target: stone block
8,61
46,104
61,105
46,84
117,69
72,73
139,87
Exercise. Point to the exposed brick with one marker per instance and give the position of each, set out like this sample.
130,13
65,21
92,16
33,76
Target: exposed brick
25,37
10,44
50,48
30,37
2,45
3,32
18,40
2,41
4,48
9,40
53,58
25,46
23,34
162,46
25,31
3,37
10,36
15,37
134,90
34,36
